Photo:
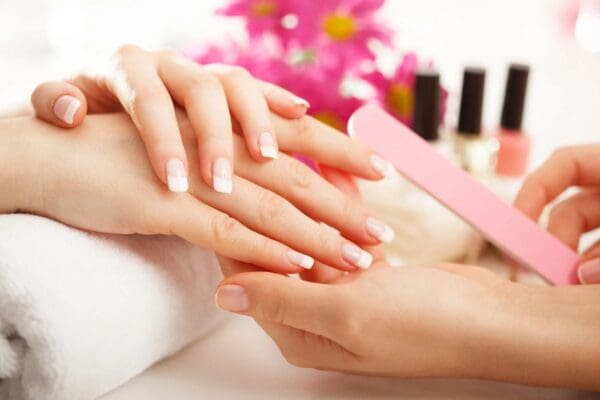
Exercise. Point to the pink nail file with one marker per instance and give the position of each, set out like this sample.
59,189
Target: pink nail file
503,225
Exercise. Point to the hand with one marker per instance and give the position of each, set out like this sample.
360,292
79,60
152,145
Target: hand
403,321
145,84
570,218
450,321
99,179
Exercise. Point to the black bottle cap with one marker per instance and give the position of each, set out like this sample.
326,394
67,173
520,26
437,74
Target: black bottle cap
514,97
426,116
471,102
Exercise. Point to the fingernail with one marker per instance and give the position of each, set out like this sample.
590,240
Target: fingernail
267,145
222,176
382,166
589,271
357,256
299,101
65,108
232,298
176,176
301,260
379,230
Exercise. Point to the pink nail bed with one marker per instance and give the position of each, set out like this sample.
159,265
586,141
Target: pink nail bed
503,225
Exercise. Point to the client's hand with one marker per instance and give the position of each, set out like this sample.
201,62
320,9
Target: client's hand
146,84
451,321
99,178
402,321
576,215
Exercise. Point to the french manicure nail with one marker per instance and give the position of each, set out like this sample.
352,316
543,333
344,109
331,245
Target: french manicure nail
379,230
232,298
299,101
589,271
267,145
357,256
301,260
177,180
65,108
382,166
222,176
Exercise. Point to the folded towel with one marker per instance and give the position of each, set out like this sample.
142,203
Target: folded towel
82,313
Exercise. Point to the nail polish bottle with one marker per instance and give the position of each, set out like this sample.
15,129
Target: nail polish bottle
513,153
426,112
475,151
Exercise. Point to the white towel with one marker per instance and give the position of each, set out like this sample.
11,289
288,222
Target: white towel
82,313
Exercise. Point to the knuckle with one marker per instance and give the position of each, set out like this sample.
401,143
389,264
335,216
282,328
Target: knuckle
300,175
301,126
202,82
272,207
223,228
127,49
274,310
237,73
561,211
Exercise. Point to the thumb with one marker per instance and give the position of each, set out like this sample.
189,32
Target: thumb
308,306
589,270
59,103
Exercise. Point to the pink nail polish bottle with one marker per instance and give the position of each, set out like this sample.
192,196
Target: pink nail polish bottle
513,154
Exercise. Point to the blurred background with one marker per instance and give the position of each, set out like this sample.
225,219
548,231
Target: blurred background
560,39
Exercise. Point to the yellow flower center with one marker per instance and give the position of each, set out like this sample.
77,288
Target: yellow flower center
400,99
331,119
339,27
264,8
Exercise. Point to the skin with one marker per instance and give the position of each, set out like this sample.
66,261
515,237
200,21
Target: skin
149,85
385,321
102,181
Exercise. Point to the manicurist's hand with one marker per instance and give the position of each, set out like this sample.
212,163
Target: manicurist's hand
99,178
451,321
570,218
148,85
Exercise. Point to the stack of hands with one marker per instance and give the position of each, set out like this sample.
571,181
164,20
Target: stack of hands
173,166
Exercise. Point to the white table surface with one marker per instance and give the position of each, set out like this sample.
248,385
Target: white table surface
239,361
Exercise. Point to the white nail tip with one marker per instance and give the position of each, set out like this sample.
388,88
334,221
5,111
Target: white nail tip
222,185
301,260
365,260
307,262
299,101
71,110
384,167
177,184
269,152
387,235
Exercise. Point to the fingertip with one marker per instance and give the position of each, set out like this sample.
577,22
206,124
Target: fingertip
59,103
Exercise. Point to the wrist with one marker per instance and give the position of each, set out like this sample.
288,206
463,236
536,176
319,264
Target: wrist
18,191
540,336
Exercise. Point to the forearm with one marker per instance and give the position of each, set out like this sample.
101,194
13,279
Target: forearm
543,336
17,164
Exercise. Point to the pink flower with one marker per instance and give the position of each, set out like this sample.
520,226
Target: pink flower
340,29
396,94
262,16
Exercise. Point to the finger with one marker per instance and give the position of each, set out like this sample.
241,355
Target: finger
575,216
249,107
230,267
571,166
283,102
340,180
140,90
321,273
316,197
275,217
328,146
284,301
204,226
59,103
203,97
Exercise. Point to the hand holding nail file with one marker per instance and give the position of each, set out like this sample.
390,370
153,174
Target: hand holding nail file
499,222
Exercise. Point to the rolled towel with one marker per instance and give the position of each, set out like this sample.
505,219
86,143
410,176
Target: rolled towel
82,313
